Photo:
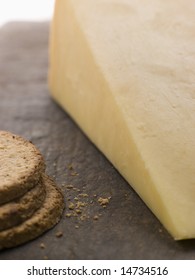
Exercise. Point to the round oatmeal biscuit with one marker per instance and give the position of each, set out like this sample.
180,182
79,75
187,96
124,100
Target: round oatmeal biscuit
19,210
42,220
21,165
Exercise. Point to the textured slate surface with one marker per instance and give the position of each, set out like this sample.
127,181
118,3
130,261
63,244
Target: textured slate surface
126,229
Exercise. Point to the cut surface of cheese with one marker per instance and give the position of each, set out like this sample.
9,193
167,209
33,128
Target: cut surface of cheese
125,72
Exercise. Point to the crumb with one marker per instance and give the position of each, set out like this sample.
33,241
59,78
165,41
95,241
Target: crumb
71,206
83,217
59,234
96,217
74,173
45,258
68,215
76,189
78,211
76,198
104,201
76,226
83,195
69,187
42,246
70,166
80,204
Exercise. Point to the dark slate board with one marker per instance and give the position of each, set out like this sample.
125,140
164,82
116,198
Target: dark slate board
126,229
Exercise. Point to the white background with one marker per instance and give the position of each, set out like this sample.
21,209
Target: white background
25,10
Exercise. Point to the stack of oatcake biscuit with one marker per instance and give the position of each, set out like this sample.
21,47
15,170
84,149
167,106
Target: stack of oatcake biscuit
30,202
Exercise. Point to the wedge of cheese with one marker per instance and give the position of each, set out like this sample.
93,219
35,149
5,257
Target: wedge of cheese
125,71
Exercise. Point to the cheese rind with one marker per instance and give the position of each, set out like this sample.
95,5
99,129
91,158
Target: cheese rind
125,72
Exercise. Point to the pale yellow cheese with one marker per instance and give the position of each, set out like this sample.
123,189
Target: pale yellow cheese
125,71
